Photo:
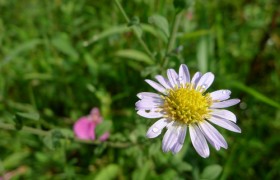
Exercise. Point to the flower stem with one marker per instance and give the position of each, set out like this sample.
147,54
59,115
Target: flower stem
25,129
41,132
172,39
138,35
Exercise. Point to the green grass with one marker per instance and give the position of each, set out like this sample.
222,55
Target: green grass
58,59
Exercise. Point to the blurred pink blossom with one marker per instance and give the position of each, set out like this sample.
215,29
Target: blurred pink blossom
104,137
84,128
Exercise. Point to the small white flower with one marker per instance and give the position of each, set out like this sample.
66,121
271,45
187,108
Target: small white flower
183,105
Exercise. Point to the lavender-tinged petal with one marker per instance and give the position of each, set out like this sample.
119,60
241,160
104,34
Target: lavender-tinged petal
169,139
225,124
215,145
156,86
147,105
173,77
199,141
163,81
211,133
149,114
205,81
220,95
184,74
224,114
196,78
156,128
182,134
224,104
143,95
176,148
155,101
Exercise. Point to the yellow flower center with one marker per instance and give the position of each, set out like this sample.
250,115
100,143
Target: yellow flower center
187,105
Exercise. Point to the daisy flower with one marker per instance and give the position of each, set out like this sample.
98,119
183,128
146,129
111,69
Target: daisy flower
184,106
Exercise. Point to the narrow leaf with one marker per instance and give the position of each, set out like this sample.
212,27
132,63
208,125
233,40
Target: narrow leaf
211,172
256,94
135,55
161,23
29,115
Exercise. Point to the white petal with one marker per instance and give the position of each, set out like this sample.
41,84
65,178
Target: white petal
217,140
163,81
176,148
224,114
205,81
156,86
150,113
143,95
156,128
147,104
215,145
220,95
199,141
184,74
224,104
196,78
173,77
182,134
225,124
169,139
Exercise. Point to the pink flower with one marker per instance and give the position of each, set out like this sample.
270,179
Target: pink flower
84,128
104,137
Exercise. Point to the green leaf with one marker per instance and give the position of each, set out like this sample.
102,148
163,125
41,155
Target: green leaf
109,32
135,55
29,115
183,166
161,23
15,159
108,172
211,172
66,133
36,75
123,29
179,4
52,140
202,54
62,43
21,48
154,31
256,94
18,122
103,127
169,174
195,34
141,173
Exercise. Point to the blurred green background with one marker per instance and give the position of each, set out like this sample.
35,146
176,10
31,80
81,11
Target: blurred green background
60,58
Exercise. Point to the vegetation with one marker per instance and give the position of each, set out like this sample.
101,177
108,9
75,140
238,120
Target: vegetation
59,59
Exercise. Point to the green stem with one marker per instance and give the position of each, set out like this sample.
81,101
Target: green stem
41,132
172,39
143,44
25,129
122,11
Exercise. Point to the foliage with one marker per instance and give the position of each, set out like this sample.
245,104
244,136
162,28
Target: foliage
61,58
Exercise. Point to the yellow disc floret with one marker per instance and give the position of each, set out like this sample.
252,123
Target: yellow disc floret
186,104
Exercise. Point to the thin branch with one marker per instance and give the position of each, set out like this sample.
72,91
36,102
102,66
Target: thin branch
143,44
40,132
172,39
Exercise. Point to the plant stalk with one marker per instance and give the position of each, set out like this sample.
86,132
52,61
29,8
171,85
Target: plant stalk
138,36
40,132
172,39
